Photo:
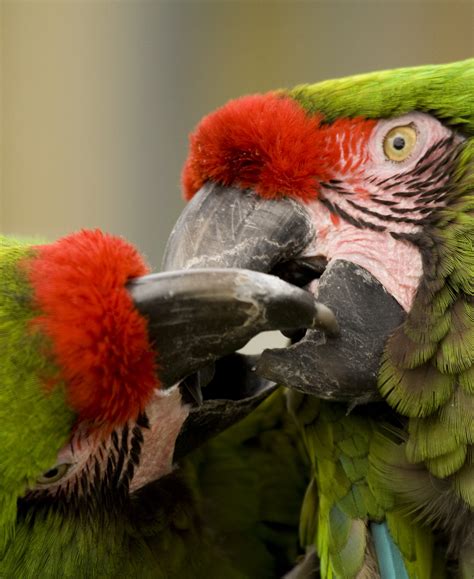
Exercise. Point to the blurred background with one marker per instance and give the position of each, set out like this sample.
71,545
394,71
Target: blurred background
98,97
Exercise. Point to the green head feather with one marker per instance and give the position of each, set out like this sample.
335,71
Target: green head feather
35,422
446,91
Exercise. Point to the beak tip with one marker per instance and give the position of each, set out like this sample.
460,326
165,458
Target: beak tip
325,320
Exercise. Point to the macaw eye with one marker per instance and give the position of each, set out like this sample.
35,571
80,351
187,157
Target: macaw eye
399,143
54,474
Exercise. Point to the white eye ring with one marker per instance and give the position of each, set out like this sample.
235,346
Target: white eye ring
428,131
54,474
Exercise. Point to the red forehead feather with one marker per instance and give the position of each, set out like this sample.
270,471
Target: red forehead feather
98,339
270,144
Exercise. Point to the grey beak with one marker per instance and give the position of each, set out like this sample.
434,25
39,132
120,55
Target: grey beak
197,316
228,227
231,228
217,295
343,369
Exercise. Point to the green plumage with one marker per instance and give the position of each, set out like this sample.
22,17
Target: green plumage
251,480
35,424
346,492
230,511
428,363
414,470
442,90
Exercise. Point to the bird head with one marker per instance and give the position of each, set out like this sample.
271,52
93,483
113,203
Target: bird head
360,191
97,393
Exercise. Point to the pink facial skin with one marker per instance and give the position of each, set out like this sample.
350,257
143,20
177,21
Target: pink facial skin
166,414
396,263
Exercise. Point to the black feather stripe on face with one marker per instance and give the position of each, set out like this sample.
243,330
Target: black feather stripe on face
427,187
102,484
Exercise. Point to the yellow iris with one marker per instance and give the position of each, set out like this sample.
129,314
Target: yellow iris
399,143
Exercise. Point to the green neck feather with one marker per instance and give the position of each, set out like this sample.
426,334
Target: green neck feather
427,372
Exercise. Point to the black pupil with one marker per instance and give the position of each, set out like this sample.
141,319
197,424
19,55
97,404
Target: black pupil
51,473
398,143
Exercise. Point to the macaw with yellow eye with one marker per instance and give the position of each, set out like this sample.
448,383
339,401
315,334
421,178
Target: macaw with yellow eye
100,404
361,191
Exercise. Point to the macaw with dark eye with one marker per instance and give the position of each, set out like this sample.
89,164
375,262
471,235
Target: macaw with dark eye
95,415
360,190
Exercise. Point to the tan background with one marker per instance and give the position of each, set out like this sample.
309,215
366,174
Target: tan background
97,98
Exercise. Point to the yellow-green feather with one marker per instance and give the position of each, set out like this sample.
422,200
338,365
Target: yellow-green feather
344,494
427,372
30,417
443,90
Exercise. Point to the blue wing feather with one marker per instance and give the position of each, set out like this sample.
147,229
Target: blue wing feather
389,558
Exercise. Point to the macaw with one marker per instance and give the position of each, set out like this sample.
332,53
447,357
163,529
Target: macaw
100,399
361,191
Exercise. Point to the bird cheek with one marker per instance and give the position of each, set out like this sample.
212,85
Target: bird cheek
395,263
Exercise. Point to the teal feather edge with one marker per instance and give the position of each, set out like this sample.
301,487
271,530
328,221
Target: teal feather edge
389,558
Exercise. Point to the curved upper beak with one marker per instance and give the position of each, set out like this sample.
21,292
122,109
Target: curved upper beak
197,316
231,228
216,296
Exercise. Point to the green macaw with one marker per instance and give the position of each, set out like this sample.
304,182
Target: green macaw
360,190
95,415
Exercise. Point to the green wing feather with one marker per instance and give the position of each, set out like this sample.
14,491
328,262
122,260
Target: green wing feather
251,479
345,494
